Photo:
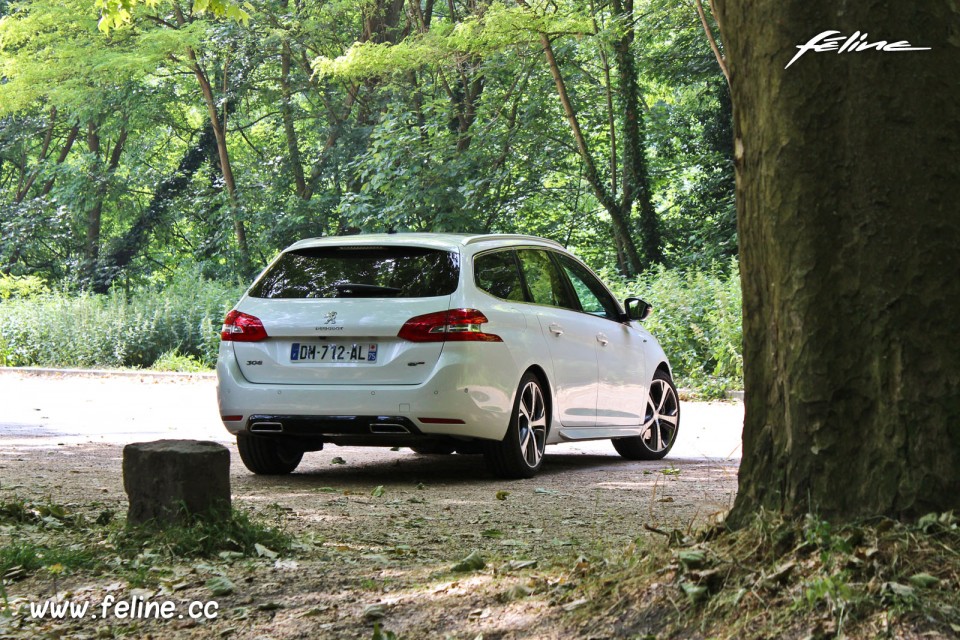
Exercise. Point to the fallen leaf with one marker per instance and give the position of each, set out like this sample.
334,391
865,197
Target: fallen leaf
338,460
220,586
502,495
692,559
378,491
923,580
898,589
264,552
695,593
374,612
517,592
570,606
473,562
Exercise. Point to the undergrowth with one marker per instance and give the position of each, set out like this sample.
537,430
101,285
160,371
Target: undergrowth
781,578
697,320
62,329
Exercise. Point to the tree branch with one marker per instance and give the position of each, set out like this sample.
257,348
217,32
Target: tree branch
713,42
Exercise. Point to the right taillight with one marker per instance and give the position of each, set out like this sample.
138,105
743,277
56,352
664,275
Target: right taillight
454,325
242,327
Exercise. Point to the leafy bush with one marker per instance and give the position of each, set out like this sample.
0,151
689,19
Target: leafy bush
697,317
20,286
176,361
60,329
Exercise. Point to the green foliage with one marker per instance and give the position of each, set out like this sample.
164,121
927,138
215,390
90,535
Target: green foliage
697,319
338,120
176,361
20,286
116,330
496,29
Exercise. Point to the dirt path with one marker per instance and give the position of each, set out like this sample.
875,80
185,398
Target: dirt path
62,440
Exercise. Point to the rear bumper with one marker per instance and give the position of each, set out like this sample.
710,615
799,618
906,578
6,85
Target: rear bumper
475,398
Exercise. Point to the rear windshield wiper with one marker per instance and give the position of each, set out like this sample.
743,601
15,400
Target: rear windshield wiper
360,290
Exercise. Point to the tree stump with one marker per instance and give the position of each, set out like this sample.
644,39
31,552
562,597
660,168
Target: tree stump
168,481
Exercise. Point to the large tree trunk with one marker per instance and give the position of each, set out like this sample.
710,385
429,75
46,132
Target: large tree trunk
847,185
636,179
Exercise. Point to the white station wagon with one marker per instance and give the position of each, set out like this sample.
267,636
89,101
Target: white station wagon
492,344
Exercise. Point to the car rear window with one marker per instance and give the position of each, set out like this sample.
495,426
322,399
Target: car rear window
360,272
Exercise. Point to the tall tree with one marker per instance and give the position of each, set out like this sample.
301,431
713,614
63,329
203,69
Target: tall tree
847,189
618,198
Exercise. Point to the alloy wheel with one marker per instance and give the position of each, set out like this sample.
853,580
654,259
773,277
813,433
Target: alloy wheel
663,416
531,423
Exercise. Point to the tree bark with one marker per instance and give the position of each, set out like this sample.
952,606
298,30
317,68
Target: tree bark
286,114
847,192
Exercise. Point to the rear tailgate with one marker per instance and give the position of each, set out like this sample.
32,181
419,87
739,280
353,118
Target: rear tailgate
338,341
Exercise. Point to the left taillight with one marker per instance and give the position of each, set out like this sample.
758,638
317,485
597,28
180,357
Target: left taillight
454,325
242,327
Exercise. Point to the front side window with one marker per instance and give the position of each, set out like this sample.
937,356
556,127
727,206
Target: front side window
593,296
497,273
360,272
544,280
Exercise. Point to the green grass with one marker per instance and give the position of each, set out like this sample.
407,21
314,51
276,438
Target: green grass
203,538
20,558
49,536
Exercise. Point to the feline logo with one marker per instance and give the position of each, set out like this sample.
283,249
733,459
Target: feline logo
828,41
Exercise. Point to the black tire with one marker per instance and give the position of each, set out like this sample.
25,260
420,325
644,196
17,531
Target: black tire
433,449
661,422
520,454
266,456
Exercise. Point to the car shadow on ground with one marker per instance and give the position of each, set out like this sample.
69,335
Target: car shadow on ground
404,469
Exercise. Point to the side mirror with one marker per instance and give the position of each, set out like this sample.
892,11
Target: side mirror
637,309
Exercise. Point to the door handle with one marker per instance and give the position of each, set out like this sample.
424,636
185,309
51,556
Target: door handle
602,339
556,329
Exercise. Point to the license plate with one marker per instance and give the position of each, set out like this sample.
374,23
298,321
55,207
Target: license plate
333,352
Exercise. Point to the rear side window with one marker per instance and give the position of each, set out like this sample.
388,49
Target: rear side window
360,272
497,274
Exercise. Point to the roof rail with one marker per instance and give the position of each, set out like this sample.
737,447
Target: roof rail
507,236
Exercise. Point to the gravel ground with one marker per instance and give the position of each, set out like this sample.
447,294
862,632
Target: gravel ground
365,558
